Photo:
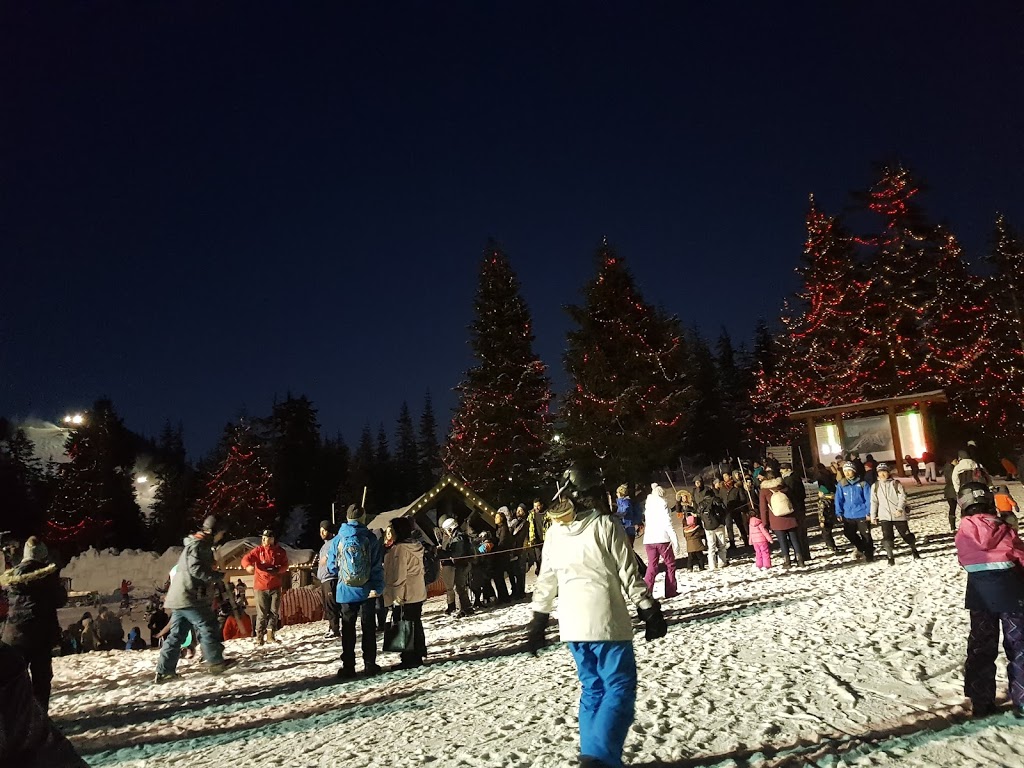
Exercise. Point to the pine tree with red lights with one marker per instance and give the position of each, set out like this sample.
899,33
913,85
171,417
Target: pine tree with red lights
771,399
823,364
94,504
239,490
630,397
891,345
500,434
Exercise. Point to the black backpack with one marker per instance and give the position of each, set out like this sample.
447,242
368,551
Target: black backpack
712,512
431,564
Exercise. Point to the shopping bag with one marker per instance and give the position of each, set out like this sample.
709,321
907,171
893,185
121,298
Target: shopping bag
399,634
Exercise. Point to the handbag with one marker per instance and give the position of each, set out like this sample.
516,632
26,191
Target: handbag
399,634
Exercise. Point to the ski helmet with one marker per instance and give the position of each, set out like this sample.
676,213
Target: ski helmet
975,498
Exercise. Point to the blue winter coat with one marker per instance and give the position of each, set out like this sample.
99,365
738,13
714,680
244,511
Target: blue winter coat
853,499
625,510
345,593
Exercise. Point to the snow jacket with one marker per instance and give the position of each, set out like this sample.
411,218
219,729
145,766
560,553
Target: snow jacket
888,501
733,496
321,561
271,563
191,584
853,499
758,533
993,556
699,494
961,468
797,493
658,523
694,535
349,594
456,544
135,641
784,523
35,594
404,578
626,512
948,492
587,566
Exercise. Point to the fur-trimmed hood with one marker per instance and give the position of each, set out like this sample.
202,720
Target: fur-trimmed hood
775,482
27,572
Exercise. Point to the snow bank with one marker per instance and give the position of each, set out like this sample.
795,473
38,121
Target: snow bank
101,571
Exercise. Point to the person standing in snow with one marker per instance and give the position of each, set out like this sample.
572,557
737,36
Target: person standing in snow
761,539
797,494
712,517
993,556
777,514
587,568
35,594
328,583
853,507
355,559
189,599
967,470
456,572
949,492
268,563
405,586
889,507
734,499
826,480
660,541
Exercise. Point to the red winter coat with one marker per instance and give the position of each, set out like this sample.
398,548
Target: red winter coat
270,563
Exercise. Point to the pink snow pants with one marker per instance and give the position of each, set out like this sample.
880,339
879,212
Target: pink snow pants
762,555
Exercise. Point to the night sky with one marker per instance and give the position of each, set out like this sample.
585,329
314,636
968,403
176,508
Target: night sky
203,205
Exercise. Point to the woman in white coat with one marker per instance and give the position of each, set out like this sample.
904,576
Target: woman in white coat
889,508
660,541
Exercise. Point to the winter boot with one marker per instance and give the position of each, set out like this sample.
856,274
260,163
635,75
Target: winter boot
216,669
451,609
346,673
164,677
270,635
916,554
892,560
260,640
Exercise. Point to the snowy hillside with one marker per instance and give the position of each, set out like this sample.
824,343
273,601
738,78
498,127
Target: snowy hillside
839,663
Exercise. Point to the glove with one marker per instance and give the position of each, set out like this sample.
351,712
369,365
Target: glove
655,621
535,632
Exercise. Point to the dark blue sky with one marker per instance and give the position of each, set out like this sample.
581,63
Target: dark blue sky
204,204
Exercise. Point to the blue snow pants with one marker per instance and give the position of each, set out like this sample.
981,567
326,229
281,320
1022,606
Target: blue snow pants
607,672
203,623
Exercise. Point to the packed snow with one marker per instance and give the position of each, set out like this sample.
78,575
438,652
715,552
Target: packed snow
837,664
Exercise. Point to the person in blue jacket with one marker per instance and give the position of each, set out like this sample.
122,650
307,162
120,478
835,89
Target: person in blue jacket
630,517
853,507
355,558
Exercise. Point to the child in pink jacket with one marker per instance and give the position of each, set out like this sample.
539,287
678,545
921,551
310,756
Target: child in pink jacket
993,556
760,538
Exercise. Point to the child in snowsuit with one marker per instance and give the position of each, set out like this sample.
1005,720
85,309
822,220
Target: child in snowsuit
993,556
694,534
760,539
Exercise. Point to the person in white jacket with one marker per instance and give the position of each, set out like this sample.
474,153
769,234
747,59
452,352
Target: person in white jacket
405,586
588,567
889,508
660,541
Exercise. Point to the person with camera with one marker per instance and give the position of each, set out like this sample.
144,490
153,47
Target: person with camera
268,563
587,568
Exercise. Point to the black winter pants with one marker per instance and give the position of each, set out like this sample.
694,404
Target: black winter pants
414,612
40,666
952,514
859,534
329,589
366,611
888,537
738,519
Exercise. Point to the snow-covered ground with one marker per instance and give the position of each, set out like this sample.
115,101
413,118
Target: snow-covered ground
838,664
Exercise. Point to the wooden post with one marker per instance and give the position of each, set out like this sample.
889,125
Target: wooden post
841,432
926,429
897,446
812,435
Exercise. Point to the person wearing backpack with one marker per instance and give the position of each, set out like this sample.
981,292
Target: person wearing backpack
889,507
777,514
356,559
993,556
967,470
853,507
712,517
404,586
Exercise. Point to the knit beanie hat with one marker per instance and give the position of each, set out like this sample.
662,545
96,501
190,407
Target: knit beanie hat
849,465
327,525
35,549
354,512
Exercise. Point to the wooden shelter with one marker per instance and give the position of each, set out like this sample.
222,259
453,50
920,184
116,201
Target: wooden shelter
450,497
917,404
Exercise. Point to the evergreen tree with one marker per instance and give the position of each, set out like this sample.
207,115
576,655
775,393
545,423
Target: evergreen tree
294,444
501,431
330,477
95,499
360,473
1007,284
704,439
824,362
733,392
891,347
770,402
23,483
629,398
429,447
382,475
239,490
177,486
407,477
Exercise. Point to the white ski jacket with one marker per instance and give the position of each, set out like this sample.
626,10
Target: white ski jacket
587,565
888,501
658,523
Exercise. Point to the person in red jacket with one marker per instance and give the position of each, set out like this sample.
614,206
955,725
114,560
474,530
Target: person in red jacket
993,556
268,563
